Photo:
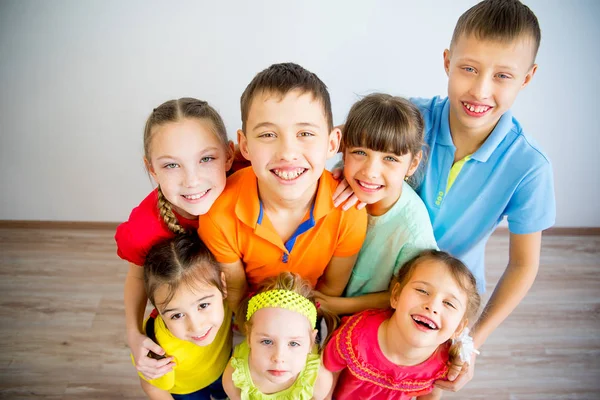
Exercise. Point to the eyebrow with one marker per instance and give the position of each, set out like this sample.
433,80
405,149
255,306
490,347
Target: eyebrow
272,125
201,299
449,294
510,67
204,151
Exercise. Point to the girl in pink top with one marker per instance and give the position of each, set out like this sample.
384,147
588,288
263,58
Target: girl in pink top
399,353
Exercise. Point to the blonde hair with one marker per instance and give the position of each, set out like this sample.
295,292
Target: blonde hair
285,281
175,111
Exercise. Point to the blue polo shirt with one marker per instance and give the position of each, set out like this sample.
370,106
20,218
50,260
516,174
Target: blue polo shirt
508,176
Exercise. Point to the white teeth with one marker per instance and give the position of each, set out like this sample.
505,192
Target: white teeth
476,109
194,196
368,185
289,175
430,324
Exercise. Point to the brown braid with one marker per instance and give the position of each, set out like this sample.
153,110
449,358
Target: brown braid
166,212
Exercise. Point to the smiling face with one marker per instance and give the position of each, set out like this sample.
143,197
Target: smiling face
430,307
189,163
279,340
484,78
287,140
194,314
376,177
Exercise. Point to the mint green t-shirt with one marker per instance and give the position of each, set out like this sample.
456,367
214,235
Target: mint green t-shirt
392,239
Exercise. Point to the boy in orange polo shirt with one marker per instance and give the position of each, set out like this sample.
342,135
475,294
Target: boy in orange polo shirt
278,215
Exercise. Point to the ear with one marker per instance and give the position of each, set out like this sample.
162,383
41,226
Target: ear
333,144
414,163
460,328
224,283
150,169
243,144
395,295
447,61
529,76
230,155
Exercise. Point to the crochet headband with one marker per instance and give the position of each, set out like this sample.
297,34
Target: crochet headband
283,299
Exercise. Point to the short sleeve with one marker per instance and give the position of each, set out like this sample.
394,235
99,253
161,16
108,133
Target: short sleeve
352,232
532,207
216,240
332,357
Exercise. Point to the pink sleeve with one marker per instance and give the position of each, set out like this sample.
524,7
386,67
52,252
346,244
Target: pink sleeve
332,356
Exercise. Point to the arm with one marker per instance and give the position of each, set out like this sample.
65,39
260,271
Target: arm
352,305
334,379
237,286
139,343
323,385
155,393
523,265
434,395
233,392
336,275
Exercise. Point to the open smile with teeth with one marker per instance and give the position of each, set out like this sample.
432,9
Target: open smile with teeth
476,109
195,196
369,186
426,322
202,336
289,174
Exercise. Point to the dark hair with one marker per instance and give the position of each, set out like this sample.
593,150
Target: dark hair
502,20
385,123
182,260
281,79
294,283
462,275
174,111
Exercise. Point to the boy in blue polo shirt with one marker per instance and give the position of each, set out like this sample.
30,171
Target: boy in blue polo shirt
482,167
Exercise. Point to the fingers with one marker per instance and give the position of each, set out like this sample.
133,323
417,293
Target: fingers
352,200
341,193
454,371
149,345
337,174
157,370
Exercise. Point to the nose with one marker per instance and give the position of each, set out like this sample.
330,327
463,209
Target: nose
287,147
190,178
194,324
372,168
431,306
277,356
481,88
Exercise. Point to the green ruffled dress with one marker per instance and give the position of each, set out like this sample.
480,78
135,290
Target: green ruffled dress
302,389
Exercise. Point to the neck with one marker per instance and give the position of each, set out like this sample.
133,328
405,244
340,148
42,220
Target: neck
395,348
384,205
273,204
467,140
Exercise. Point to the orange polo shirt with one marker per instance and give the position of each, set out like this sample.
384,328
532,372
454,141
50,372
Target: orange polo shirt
236,228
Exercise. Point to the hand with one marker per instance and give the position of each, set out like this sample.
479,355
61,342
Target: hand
459,375
324,300
140,346
343,193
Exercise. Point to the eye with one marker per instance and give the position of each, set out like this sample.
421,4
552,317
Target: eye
468,69
202,306
266,342
306,134
206,159
171,165
422,291
359,152
503,76
267,135
294,344
390,158
449,304
176,316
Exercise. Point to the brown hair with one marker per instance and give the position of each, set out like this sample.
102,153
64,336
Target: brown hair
182,260
462,275
501,20
384,123
175,111
294,283
281,79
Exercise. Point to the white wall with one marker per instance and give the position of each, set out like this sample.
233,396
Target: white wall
78,78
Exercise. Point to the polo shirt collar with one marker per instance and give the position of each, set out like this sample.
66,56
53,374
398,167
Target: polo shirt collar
503,127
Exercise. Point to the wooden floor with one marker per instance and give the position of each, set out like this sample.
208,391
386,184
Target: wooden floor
62,329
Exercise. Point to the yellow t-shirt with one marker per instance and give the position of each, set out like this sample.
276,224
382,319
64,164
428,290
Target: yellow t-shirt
196,366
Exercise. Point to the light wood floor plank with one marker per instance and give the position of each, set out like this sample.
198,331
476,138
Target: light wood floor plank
62,327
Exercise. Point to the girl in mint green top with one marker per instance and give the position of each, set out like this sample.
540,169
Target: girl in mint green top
382,141
279,358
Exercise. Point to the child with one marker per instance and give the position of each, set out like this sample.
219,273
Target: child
187,153
398,354
191,321
482,167
278,215
382,141
278,359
